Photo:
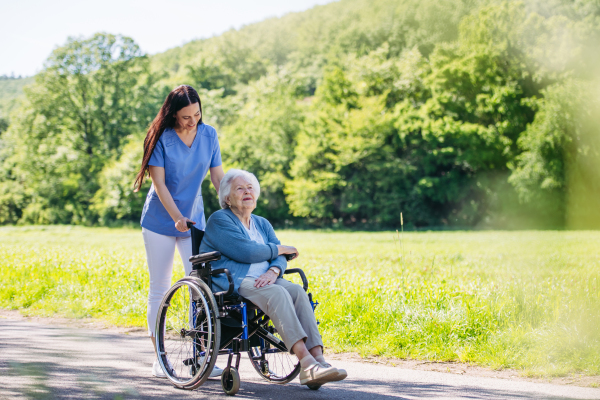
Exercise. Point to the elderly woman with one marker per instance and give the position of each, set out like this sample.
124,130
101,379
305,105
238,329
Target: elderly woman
255,257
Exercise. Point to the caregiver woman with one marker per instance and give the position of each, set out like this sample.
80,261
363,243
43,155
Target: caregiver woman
179,149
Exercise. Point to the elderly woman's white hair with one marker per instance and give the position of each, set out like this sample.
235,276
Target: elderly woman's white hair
230,176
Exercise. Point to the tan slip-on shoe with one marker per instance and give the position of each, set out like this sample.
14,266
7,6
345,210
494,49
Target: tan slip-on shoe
342,374
316,374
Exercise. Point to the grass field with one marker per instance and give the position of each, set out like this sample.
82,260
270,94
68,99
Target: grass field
527,300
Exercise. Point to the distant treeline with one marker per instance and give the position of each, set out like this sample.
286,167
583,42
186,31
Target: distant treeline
456,113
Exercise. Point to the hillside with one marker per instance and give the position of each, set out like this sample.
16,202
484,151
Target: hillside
307,39
10,91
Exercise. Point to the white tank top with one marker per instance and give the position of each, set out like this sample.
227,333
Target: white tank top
256,269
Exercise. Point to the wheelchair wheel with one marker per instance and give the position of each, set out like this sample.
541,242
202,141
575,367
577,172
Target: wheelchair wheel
230,380
188,333
272,364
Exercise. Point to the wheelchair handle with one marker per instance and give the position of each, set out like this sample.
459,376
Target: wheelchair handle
189,224
302,276
225,271
205,257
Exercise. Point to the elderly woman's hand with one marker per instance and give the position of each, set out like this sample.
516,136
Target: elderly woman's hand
288,250
265,279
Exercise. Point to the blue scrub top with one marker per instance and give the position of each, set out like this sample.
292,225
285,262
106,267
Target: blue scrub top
185,169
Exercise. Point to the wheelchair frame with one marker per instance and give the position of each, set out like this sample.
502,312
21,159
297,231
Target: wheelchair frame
234,323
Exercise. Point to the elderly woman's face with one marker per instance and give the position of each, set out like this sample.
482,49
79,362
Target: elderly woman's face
242,195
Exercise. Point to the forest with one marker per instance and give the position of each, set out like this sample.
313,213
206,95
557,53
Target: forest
457,113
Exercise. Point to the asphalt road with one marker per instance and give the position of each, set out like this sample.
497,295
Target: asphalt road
43,361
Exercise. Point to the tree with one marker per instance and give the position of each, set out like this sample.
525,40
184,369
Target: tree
3,125
115,199
559,168
263,138
91,95
409,134
353,111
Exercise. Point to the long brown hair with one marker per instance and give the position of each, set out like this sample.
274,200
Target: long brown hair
182,96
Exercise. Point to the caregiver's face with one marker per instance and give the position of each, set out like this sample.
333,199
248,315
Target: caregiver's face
187,118
242,195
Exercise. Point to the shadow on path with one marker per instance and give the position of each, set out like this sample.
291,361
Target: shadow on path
44,362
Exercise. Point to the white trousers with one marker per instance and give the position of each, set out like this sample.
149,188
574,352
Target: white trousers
160,253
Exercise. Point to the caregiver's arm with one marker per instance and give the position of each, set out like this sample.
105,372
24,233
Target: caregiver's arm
216,174
158,179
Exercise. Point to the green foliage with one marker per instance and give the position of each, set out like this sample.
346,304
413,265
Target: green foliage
560,163
306,40
348,113
3,125
263,137
342,160
525,300
410,134
89,97
11,92
115,200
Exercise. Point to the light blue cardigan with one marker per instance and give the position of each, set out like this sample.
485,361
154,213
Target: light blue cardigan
225,233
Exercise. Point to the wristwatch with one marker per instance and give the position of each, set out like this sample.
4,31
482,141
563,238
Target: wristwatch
276,270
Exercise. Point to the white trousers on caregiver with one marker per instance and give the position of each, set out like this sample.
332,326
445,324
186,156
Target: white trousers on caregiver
160,253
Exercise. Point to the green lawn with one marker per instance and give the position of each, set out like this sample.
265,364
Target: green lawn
529,300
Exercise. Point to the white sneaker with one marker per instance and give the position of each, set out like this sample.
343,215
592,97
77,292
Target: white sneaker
157,370
216,372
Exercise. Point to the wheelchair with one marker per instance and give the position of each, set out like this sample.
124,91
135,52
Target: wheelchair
195,325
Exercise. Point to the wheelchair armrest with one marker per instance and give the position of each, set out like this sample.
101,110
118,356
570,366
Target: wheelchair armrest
205,257
302,276
225,271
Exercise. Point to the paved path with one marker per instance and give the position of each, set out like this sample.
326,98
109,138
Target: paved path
42,361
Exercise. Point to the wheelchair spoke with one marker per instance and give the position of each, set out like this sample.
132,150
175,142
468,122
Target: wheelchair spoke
187,333
278,366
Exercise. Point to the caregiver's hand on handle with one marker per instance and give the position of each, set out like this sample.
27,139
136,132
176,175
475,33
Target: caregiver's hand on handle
182,223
